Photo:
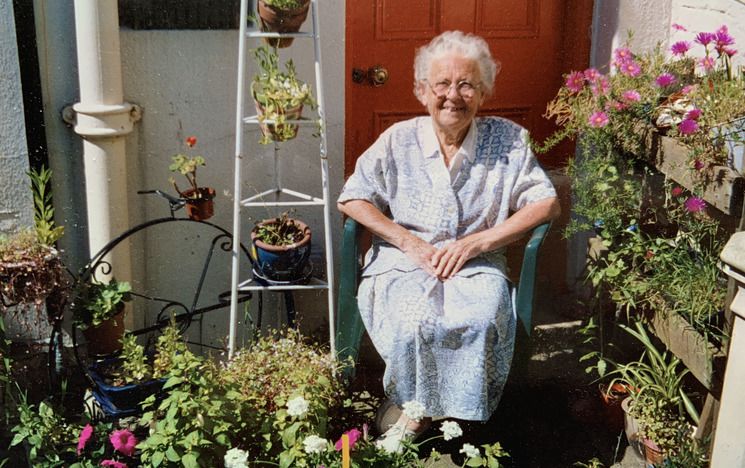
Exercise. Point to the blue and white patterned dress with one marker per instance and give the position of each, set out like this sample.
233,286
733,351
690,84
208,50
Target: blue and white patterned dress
447,345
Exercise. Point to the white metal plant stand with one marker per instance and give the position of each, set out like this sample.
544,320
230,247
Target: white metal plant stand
278,190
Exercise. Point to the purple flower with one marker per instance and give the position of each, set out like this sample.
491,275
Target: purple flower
676,191
704,38
707,63
84,437
678,27
631,95
665,80
680,48
630,68
723,39
354,436
616,105
687,126
575,81
687,89
113,464
598,119
123,441
693,114
695,204
730,51
698,165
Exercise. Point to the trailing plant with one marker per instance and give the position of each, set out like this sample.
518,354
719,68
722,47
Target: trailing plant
96,302
278,92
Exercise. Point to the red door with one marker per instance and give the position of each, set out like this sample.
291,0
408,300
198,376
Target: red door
536,41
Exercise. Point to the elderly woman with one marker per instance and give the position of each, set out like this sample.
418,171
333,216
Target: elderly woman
443,195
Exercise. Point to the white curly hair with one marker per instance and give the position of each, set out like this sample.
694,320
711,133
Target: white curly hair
466,45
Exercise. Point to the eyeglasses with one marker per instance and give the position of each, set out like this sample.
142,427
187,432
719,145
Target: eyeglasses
465,89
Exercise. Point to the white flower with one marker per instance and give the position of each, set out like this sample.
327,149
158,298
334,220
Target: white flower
298,406
414,410
315,444
390,444
236,458
451,430
470,451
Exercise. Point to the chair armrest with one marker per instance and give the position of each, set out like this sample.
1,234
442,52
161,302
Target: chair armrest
349,326
526,286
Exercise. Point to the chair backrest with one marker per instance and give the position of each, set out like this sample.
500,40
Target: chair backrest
349,326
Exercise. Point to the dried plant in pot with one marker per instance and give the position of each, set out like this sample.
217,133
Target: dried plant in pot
280,249
282,16
199,200
30,267
279,97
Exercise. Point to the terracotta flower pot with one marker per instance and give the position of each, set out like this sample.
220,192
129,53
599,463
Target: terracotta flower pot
653,454
202,207
276,132
282,21
282,263
612,404
105,339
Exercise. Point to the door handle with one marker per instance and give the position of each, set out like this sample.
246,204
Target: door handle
374,76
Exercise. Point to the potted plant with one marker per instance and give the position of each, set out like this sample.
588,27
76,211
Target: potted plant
282,16
29,264
98,310
279,96
281,249
199,200
124,382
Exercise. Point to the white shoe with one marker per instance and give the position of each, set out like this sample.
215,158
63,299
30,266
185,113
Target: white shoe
392,440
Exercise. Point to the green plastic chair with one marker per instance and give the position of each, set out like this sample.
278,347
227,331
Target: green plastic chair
349,326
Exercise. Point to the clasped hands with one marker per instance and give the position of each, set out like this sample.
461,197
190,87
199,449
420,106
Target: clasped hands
445,261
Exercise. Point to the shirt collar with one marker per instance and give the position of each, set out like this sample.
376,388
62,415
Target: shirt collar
431,146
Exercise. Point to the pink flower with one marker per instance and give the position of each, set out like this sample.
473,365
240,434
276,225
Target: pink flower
687,126
616,105
123,441
623,54
695,204
630,68
598,119
693,114
631,95
84,437
354,436
678,27
600,86
729,51
591,74
665,80
698,165
723,39
575,81
704,38
707,63
687,89
680,48
113,464
676,191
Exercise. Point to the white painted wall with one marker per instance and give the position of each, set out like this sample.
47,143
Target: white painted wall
16,204
185,82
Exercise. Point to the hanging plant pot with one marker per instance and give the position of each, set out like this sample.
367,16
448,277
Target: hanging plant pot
280,131
282,20
282,263
201,206
31,278
106,338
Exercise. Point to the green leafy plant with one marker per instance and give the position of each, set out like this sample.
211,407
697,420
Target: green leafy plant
286,4
134,366
283,230
48,436
279,95
187,166
96,302
46,231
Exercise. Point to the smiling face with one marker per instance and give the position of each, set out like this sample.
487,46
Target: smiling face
451,113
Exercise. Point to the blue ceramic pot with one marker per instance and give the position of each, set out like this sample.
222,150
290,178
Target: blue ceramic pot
283,263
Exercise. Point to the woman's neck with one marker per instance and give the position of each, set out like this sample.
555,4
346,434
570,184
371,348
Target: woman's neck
450,141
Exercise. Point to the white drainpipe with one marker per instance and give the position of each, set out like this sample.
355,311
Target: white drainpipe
103,119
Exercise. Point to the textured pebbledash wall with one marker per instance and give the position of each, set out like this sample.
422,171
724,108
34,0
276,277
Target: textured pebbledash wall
16,208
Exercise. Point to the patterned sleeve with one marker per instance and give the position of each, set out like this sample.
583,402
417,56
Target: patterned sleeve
531,184
368,182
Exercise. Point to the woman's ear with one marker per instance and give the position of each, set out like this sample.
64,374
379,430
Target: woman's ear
421,92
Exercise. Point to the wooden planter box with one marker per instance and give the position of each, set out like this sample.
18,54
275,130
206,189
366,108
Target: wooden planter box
705,361
725,192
